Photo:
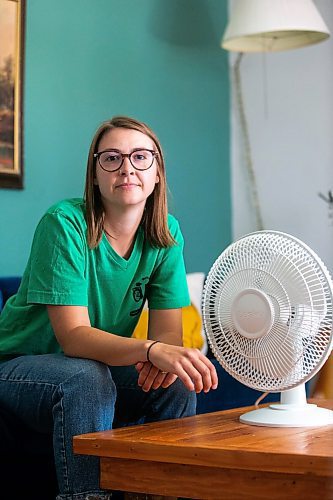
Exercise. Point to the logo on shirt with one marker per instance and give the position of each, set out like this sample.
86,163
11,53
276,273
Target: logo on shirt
139,294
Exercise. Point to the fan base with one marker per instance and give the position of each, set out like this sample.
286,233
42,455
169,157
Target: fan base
276,415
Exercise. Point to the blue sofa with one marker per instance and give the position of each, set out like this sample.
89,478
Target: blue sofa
27,455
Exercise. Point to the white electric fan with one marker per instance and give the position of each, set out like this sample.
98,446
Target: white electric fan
267,313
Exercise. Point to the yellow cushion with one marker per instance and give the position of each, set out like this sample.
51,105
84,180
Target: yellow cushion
192,327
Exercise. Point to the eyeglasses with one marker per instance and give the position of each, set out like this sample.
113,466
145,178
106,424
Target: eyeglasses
111,160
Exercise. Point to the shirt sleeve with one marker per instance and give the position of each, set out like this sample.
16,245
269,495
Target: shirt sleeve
168,286
58,262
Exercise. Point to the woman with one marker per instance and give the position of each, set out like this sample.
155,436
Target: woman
69,363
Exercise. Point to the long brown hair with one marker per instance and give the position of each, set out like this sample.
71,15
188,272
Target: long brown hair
154,219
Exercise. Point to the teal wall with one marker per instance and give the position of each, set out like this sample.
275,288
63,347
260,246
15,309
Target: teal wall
156,60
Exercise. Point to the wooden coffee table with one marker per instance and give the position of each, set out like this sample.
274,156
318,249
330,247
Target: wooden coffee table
215,456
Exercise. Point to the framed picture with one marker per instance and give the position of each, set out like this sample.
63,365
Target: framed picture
12,20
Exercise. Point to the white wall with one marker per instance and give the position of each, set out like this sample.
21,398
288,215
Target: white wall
288,98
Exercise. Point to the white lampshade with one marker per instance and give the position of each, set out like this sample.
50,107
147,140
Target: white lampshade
272,25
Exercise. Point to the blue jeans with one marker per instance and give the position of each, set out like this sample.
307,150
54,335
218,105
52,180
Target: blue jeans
66,396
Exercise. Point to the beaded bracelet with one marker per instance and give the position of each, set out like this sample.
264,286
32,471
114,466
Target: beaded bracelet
151,345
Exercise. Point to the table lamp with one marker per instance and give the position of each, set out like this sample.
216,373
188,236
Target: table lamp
268,26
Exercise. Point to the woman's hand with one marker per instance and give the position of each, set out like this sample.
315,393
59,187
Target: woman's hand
193,368
150,377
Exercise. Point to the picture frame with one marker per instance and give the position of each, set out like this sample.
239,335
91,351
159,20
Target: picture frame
12,22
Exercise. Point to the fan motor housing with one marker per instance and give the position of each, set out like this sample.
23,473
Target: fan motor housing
252,313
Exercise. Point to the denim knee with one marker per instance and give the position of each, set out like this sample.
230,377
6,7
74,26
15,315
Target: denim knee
174,402
88,392
185,399
87,376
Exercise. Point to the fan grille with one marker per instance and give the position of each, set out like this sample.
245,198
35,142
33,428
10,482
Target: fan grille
297,287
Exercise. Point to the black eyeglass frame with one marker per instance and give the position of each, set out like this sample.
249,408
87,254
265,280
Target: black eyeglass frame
126,155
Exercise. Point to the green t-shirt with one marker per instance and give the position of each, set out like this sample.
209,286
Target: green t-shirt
63,270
